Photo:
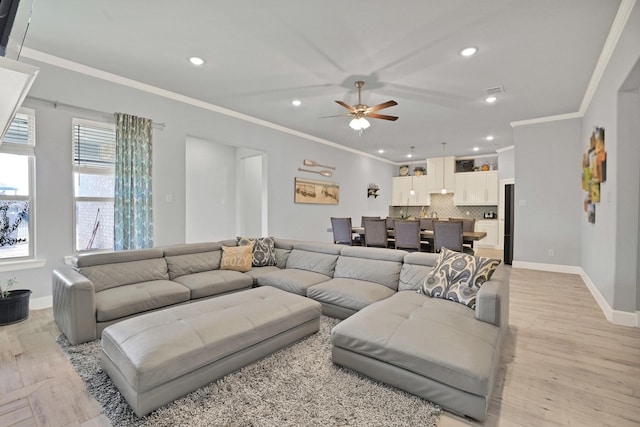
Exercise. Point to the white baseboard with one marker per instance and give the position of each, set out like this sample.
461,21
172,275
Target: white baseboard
617,317
554,268
40,303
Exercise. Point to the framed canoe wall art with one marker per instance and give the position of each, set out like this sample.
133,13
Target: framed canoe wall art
594,172
312,191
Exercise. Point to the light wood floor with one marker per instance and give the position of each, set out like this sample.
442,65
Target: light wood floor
563,364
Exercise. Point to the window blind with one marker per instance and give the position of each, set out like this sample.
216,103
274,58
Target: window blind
94,146
21,130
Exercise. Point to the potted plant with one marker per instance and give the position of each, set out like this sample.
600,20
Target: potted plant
14,305
419,170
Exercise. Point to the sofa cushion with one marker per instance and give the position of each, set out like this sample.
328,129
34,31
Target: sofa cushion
106,276
214,282
126,300
458,277
416,266
375,265
318,262
282,255
349,293
254,273
432,337
236,258
292,280
263,250
180,265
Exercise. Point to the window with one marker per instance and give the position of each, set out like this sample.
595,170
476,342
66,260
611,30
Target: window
17,161
94,148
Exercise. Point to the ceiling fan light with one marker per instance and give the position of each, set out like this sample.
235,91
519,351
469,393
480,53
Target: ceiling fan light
195,60
469,51
359,123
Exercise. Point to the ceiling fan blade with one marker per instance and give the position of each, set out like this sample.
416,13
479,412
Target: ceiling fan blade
381,106
337,115
347,106
382,116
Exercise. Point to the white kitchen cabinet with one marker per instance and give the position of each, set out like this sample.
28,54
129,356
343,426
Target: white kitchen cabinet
435,174
491,228
476,188
401,191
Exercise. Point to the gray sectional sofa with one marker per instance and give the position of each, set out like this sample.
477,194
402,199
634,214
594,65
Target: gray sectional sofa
440,350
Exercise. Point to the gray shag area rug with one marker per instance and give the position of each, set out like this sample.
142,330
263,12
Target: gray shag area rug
296,386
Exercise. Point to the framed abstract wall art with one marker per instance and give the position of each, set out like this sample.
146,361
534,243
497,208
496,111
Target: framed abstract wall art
594,172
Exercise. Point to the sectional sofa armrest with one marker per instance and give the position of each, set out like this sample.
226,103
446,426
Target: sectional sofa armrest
492,303
74,306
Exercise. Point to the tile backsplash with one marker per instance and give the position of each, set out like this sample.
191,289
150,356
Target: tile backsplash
443,206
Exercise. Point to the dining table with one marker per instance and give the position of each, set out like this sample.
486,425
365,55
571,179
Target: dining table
468,237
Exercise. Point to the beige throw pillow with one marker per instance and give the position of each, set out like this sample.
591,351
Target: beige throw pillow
237,258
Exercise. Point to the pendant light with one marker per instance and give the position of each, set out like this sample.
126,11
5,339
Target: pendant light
444,187
412,192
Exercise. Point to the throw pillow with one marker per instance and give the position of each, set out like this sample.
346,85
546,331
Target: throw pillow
264,251
458,277
236,258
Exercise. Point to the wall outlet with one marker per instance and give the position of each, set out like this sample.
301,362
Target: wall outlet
551,252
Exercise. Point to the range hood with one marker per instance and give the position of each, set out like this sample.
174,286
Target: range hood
16,79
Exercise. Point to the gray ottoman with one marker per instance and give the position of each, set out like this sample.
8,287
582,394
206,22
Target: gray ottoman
155,358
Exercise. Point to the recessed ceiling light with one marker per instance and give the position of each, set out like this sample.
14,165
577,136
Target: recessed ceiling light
468,51
196,60
381,151
476,148
491,99
489,138
296,103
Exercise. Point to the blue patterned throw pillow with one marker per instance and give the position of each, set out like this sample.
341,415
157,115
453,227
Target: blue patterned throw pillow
264,252
458,277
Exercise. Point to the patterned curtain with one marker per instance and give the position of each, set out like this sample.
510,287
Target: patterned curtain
133,215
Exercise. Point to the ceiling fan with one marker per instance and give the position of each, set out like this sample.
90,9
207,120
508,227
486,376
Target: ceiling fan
360,111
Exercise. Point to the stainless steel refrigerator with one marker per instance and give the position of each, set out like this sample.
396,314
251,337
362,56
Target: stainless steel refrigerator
509,199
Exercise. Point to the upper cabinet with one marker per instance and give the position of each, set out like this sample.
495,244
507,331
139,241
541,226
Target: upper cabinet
401,191
476,188
435,174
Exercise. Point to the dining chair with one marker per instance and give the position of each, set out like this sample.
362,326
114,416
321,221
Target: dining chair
427,242
365,218
342,233
407,235
426,224
390,220
448,234
375,233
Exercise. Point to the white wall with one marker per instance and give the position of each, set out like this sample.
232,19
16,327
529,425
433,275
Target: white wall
507,163
210,191
285,152
548,199
251,193
611,241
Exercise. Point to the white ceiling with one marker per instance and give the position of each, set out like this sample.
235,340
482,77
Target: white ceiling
260,55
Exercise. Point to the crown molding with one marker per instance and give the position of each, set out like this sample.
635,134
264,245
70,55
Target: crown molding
620,21
557,117
503,149
154,90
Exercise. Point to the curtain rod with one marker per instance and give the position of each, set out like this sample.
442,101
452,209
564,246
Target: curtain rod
56,105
